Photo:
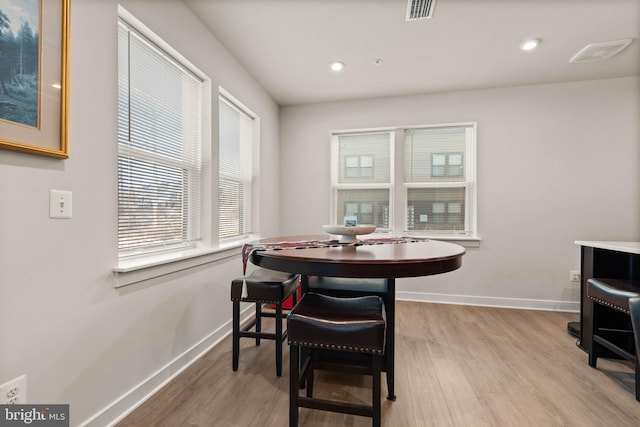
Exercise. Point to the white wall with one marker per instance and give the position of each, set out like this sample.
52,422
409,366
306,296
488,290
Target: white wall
556,163
566,154
79,340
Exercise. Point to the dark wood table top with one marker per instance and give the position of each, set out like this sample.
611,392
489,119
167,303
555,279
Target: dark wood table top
392,260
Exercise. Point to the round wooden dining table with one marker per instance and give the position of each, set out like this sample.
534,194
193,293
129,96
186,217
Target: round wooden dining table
380,260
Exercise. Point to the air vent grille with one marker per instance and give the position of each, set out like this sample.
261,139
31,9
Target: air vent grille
600,51
419,9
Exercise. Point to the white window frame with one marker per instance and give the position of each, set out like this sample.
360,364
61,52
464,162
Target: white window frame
137,268
336,186
250,177
469,184
398,208
190,164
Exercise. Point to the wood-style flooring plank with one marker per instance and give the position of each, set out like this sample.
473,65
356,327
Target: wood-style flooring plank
455,366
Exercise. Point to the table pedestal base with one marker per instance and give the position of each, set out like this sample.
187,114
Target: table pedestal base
573,329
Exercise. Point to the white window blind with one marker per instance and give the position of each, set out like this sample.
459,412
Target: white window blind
438,178
159,147
362,185
364,158
235,163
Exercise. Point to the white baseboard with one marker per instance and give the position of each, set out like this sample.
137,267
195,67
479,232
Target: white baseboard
528,304
125,404
128,402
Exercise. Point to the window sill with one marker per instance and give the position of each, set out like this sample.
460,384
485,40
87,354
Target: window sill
462,240
465,241
137,270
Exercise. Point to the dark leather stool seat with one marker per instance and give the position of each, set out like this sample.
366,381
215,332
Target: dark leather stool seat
612,327
614,293
261,287
329,324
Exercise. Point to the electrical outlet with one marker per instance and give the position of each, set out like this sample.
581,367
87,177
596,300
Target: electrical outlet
574,276
14,392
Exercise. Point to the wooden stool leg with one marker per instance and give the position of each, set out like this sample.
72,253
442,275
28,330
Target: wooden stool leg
309,372
637,365
236,334
294,371
258,320
278,320
377,389
593,352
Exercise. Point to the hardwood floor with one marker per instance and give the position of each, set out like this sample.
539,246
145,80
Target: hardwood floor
455,366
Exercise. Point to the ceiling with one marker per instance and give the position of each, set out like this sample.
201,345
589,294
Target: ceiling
287,45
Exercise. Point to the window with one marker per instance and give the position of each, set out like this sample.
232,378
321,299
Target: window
439,179
160,104
362,186
236,172
434,194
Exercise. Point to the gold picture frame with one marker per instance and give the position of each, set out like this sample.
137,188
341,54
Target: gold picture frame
34,98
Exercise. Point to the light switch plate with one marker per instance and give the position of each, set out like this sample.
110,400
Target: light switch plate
60,204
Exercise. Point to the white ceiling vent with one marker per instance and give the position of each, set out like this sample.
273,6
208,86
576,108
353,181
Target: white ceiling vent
600,51
419,9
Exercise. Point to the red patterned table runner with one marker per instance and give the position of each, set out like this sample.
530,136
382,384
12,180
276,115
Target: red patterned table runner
248,248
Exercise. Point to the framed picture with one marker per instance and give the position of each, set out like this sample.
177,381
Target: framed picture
34,76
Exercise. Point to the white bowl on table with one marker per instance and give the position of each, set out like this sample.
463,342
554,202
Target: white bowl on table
348,233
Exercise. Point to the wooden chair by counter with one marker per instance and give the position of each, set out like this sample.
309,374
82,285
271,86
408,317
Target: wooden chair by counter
262,287
335,326
612,321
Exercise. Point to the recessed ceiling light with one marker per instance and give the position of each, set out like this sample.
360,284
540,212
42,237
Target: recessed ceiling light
530,44
337,66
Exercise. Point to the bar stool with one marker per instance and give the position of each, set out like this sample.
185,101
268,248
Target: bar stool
349,287
611,321
335,327
261,287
